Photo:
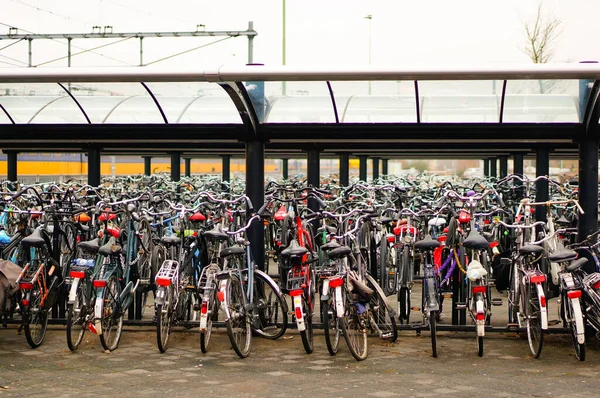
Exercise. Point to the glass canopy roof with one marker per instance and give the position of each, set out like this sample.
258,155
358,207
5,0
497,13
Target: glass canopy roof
492,101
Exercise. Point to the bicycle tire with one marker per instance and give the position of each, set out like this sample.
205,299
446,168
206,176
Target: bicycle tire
76,318
514,297
36,320
212,309
238,325
433,316
331,326
404,305
354,332
570,315
271,307
533,323
480,346
68,247
383,315
112,317
386,266
164,319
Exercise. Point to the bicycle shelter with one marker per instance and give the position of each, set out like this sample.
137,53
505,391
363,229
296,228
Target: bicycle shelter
489,112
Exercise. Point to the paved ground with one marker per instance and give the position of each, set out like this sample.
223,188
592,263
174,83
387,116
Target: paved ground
281,368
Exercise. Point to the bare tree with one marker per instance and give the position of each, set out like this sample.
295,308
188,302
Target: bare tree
542,34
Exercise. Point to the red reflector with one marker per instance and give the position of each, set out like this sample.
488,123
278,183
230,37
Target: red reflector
92,328
335,282
298,313
464,217
479,289
205,307
596,285
537,279
494,244
441,238
391,238
573,294
297,292
163,282
480,316
26,285
25,302
280,214
543,301
114,231
221,296
99,283
486,222
77,274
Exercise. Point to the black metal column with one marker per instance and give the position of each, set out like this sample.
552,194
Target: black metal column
375,168
486,167
542,168
188,166
175,166
362,167
11,165
255,189
313,166
518,160
285,163
588,187
226,161
94,161
344,169
384,166
493,167
503,166
147,165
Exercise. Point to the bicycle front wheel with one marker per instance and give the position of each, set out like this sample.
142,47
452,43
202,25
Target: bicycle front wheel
36,320
271,307
433,315
533,321
112,316
237,323
164,318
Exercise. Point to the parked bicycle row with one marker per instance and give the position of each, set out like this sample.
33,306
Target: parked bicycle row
343,255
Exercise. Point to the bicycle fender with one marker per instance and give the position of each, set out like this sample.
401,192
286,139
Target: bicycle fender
73,290
579,323
543,309
98,314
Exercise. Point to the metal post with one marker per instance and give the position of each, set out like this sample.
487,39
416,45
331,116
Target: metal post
285,168
283,49
255,189
141,51
147,165
69,51
375,168
30,57
188,166
226,161
384,166
503,166
175,166
486,167
94,161
518,169
11,166
493,167
362,167
250,43
344,169
588,186
542,168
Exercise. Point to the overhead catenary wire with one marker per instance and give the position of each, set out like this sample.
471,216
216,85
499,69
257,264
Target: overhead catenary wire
85,51
187,51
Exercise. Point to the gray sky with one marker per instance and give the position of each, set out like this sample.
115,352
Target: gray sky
319,33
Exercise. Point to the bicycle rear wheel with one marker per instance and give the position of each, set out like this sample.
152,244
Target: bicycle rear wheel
238,325
570,314
383,315
36,320
387,267
112,316
331,324
164,319
76,318
271,307
433,315
355,333
533,321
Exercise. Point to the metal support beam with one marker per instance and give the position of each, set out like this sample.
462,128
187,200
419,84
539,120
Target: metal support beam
226,161
588,186
519,170
285,162
313,173
147,165
375,168
175,166
255,189
188,167
486,167
384,166
542,168
344,169
493,167
362,167
94,161
503,166
11,166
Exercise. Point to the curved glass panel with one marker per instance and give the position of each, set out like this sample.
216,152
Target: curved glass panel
135,109
23,108
460,101
181,102
538,101
3,118
303,102
59,111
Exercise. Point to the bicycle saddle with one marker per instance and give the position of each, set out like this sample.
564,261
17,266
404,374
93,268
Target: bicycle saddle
294,249
35,239
437,222
328,228
338,252
531,249
110,248
475,241
231,251
216,233
576,264
562,220
427,243
170,240
90,245
562,255
330,245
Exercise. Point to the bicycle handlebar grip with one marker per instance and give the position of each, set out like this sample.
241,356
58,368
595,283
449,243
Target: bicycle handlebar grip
262,209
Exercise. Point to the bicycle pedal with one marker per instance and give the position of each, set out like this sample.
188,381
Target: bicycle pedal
190,287
415,308
447,295
553,322
512,326
461,306
497,301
